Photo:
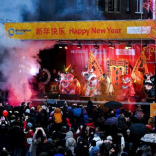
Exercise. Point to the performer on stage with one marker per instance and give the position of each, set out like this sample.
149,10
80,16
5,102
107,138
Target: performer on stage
54,82
54,76
108,85
41,77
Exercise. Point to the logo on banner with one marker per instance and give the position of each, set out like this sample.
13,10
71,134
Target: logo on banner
138,30
97,51
125,51
78,51
13,31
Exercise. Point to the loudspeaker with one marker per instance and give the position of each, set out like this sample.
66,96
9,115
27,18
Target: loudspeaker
52,96
98,97
150,100
40,95
73,97
87,98
64,96
60,103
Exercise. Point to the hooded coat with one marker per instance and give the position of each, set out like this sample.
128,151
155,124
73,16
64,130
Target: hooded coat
68,122
121,122
57,116
70,141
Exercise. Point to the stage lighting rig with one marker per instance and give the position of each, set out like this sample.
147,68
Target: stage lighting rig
111,46
79,46
96,46
128,46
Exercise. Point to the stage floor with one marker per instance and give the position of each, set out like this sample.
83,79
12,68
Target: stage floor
86,101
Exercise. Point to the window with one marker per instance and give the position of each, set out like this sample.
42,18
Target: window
127,5
60,6
110,5
139,8
118,5
101,5
79,5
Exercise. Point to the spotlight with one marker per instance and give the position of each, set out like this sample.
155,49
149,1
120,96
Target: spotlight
79,46
111,46
128,46
65,47
144,45
60,46
96,46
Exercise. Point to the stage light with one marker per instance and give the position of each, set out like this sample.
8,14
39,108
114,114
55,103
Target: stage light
128,46
79,46
65,47
96,46
60,46
145,45
111,46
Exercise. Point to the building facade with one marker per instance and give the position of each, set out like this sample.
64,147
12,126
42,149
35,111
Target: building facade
73,10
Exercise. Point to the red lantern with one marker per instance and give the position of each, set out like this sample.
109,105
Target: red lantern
5,113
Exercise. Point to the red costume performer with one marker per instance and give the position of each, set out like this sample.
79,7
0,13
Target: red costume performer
127,86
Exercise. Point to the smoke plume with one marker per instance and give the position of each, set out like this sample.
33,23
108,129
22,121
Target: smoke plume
18,58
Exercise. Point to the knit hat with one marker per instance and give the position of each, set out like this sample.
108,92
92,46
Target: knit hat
32,108
117,112
43,154
64,128
43,107
109,138
27,111
69,108
148,126
29,124
38,107
49,140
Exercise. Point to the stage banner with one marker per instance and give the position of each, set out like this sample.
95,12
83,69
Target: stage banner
94,64
79,30
153,109
139,69
115,62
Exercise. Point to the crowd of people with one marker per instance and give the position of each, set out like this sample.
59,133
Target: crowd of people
72,130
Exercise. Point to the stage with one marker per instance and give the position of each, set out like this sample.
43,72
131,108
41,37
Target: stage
84,102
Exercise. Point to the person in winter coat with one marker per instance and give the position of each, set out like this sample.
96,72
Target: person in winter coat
38,137
121,122
57,118
68,123
28,134
16,137
81,148
70,141
106,146
60,151
93,150
89,109
4,129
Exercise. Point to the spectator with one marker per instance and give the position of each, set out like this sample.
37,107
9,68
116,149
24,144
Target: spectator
93,150
28,134
38,137
70,141
57,118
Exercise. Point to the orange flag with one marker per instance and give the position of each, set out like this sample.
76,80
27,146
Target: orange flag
94,64
136,74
